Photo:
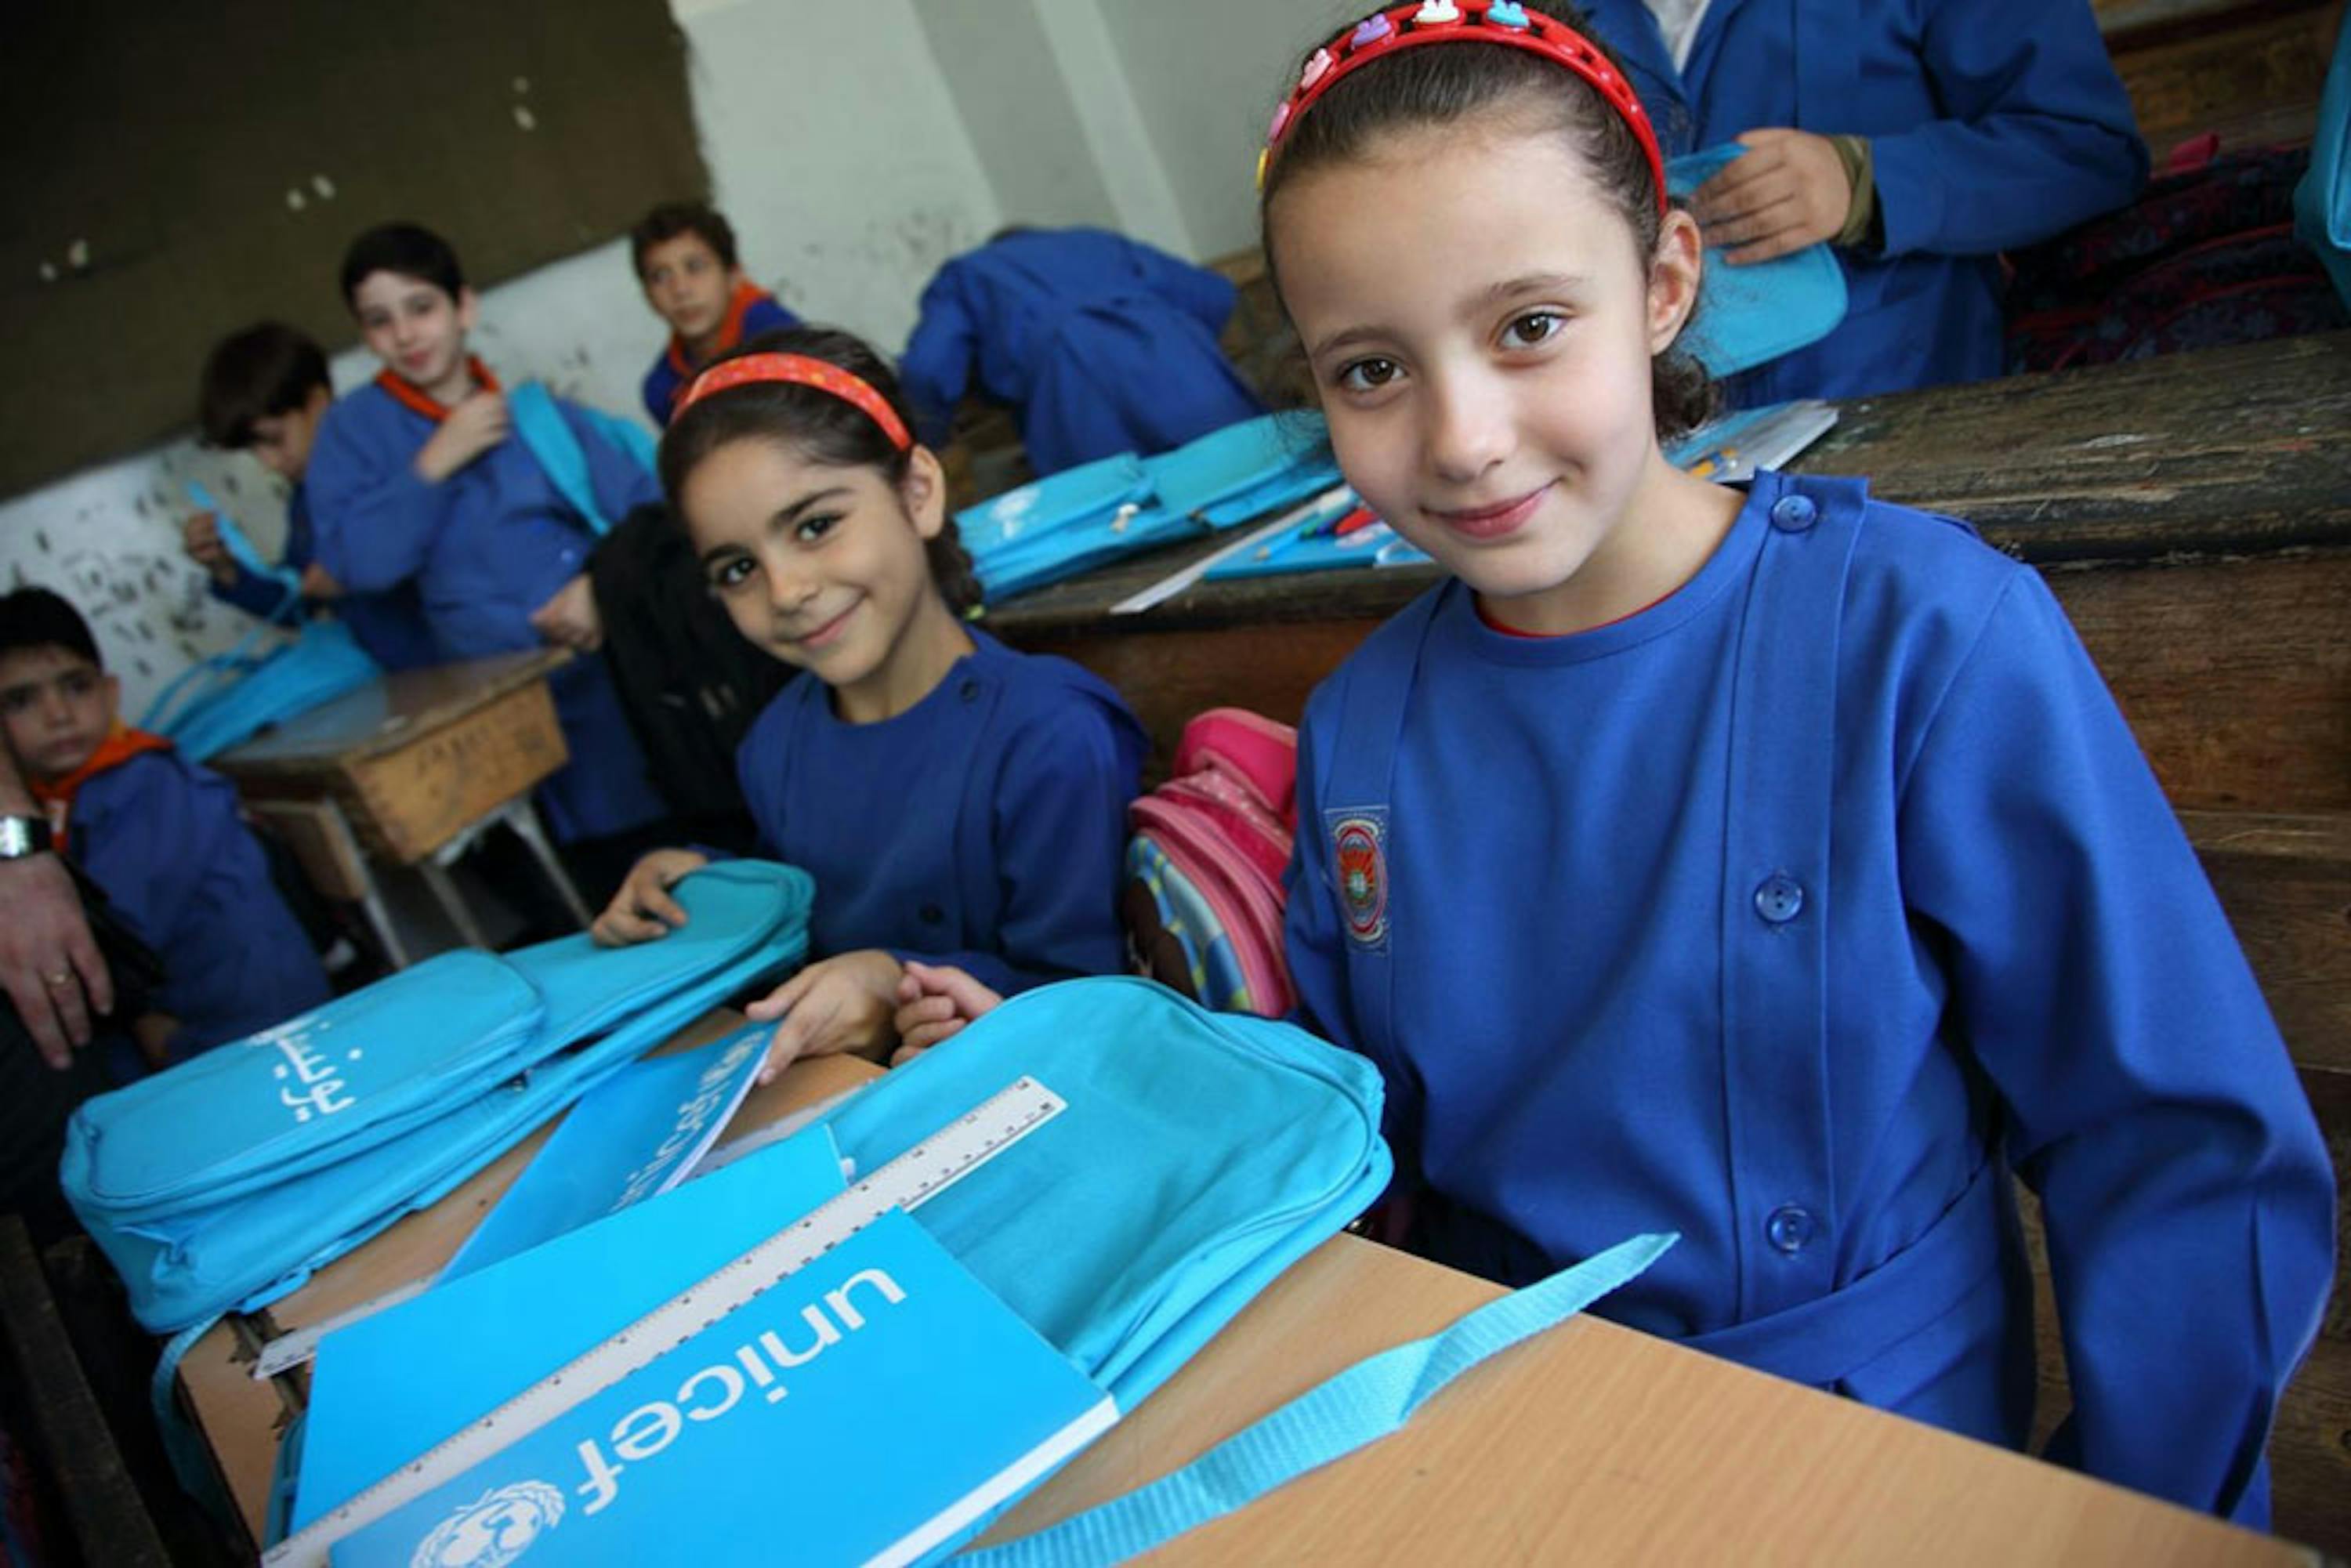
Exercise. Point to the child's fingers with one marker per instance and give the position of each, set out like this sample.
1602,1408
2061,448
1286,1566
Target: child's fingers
802,1034
623,927
907,1053
970,997
656,902
925,1035
781,1000
921,1011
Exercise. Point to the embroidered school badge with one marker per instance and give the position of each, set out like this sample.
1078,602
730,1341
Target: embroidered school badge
1359,838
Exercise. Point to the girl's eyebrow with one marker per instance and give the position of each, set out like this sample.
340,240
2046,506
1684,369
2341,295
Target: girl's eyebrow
784,517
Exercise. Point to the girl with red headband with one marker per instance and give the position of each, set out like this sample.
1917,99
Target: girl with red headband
1764,865
956,802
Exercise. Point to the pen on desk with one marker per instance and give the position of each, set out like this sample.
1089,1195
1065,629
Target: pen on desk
1361,517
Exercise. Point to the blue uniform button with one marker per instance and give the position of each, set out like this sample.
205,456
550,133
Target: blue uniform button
1794,514
1779,898
1790,1227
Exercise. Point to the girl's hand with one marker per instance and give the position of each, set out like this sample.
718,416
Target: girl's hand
473,427
935,1001
1789,190
571,618
841,1003
642,909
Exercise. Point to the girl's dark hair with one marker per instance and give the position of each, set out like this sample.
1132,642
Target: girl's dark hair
409,250
821,427
1467,83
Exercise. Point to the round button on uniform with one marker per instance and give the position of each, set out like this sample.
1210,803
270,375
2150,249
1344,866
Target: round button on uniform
1779,898
1790,1227
1794,514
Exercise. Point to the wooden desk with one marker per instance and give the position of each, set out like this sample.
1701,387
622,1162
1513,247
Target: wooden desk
2193,515
2249,69
409,768
1592,1443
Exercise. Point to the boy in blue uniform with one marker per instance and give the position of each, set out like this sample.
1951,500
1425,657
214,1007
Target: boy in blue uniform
1921,138
685,255
1102,345
265,390
415,478
161,836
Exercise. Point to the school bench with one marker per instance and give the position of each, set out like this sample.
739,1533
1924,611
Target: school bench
1593,1443
2193,515
2248,69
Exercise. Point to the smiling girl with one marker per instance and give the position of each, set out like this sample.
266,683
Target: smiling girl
1766,865
956,802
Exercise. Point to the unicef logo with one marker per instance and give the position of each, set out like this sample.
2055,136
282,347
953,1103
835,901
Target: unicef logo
494,1531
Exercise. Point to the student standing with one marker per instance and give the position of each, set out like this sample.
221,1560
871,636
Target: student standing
416,479
955,802
1920,138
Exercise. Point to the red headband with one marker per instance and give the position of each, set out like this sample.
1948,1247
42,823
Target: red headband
799,369
1383,33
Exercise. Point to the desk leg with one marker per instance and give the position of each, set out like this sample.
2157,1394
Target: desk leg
524,820
453,903
380,920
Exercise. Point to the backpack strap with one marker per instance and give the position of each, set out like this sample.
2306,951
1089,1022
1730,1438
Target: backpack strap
1359,1406
539,424
1775,886
1357,824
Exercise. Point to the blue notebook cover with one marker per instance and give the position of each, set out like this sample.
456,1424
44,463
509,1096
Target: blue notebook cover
632,1138
390,1386
868,1410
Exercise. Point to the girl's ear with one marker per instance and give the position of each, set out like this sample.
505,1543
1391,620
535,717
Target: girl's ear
924,492
1675,272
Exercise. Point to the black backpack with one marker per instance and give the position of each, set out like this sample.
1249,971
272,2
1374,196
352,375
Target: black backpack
690,684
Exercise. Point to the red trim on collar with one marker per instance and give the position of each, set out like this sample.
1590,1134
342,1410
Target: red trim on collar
121,744
1493,625
411,398
730,336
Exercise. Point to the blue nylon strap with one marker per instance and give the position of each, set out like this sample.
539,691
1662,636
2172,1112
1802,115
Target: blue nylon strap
1357,1408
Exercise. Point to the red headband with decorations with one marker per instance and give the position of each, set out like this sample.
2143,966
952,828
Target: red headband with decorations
799,369
1518,27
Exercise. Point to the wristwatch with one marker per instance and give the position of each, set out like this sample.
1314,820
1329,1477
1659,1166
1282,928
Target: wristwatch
22,836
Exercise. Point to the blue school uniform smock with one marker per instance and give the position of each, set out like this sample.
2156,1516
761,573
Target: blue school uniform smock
985,827
752,311
485,547
163,837
1993,124
1792,914
390,625
1103,345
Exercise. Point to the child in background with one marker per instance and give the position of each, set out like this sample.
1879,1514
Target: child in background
265,390
414,478
1921,140
955,801
1864,895
1102,345
161,836
684,255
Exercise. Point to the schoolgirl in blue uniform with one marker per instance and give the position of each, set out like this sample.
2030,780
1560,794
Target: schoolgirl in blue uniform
1103,345
955,802
1770,867
414,478
1968,127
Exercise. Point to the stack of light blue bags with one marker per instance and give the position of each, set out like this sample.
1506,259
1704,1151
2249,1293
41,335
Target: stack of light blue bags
222,1182
1073,521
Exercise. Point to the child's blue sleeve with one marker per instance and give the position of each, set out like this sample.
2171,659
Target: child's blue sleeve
375,517
1060,849
937,363
2036,135
1208,295
2151,1101
256,596
162,830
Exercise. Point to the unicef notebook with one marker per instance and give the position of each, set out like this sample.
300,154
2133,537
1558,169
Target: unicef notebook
864,1410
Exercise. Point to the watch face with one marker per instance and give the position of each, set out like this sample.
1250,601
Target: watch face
22,836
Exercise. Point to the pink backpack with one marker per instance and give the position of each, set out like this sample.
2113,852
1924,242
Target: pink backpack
1203,897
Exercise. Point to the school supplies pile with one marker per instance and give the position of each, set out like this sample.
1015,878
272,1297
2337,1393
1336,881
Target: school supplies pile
1339,533
1729,450
1077,519
224,1181
1120,1169
1203,897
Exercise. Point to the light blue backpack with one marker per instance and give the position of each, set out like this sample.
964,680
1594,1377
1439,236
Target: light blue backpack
226,1181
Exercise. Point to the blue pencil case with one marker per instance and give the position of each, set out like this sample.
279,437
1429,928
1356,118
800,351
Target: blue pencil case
1750,314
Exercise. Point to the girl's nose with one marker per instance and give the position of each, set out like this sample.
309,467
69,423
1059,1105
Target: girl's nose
1469,428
